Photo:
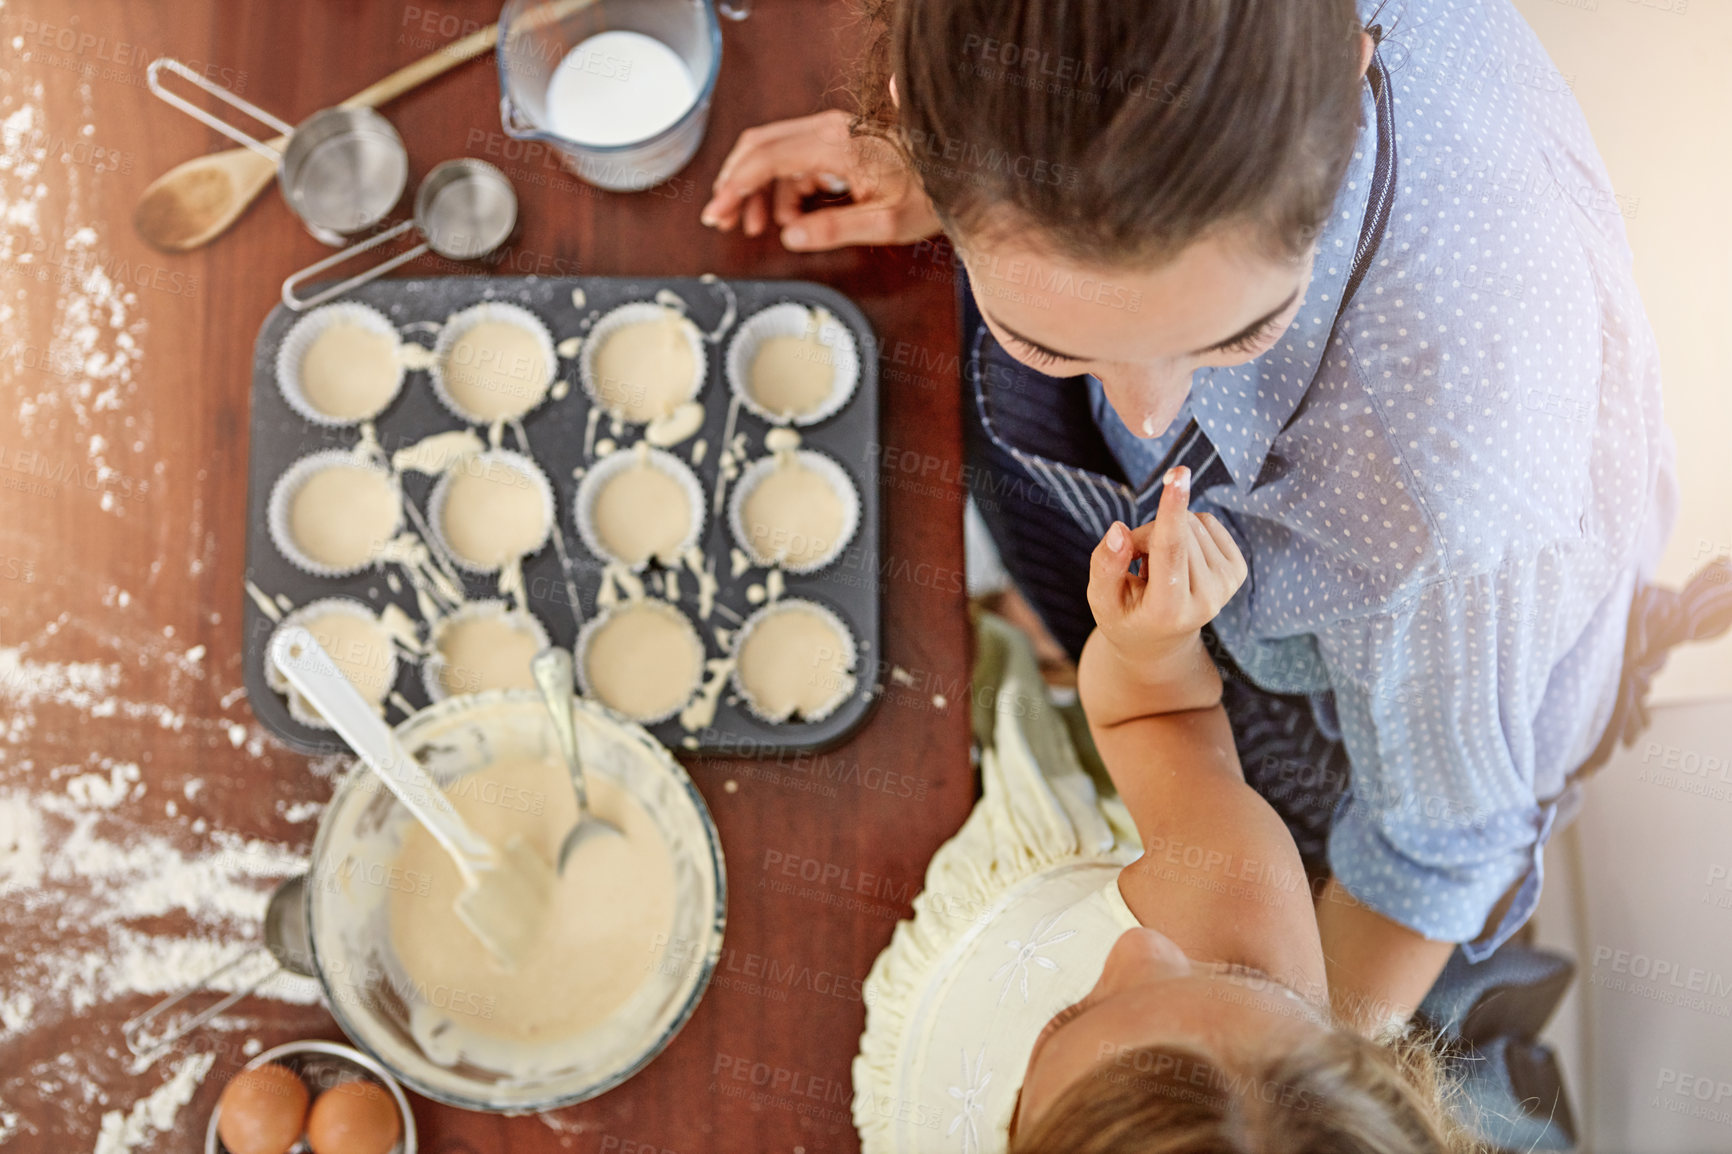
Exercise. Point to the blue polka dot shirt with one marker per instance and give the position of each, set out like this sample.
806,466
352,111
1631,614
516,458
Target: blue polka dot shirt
1446,537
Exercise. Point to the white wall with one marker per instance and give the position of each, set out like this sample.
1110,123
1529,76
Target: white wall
1655,79
1640,885
1646,1033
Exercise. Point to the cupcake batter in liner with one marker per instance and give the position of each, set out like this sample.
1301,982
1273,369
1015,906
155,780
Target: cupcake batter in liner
793,364
483,645
341,364
643,659
493,362
490,509
795,510
640,505
642,361
358,643
794,657
332,513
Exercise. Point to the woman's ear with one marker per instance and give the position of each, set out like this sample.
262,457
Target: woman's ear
1366,47
896,103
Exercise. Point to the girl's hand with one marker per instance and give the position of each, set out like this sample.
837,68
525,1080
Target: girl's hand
1191,568
773,167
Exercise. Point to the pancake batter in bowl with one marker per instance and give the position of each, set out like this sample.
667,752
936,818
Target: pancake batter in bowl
612,908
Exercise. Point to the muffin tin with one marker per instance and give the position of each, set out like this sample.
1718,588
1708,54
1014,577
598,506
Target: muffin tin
559,432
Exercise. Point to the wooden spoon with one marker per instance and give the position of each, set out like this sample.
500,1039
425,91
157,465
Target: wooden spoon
194,203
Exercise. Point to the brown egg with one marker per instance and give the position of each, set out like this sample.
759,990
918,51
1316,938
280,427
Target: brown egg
356,1117
262,1110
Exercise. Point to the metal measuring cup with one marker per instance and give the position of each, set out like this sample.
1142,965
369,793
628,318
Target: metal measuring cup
464,209
341,170
286,940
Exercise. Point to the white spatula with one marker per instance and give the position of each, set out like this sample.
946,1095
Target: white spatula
506,891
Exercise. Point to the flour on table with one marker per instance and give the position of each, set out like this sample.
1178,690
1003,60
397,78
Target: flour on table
109,903
85,375
155,1113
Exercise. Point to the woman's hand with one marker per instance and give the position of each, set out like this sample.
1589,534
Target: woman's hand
1191,568
773,167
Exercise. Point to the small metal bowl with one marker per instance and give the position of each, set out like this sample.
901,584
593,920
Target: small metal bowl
322,1065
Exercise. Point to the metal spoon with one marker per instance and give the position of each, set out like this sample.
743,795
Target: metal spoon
552,669
286,940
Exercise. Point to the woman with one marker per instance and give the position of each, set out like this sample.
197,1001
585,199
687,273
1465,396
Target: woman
1350,267
1356,270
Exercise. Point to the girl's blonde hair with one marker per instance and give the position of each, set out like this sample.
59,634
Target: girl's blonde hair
1337,1094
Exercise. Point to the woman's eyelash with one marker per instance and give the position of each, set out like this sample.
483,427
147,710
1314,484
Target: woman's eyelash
1251,339
1039,356
1245,343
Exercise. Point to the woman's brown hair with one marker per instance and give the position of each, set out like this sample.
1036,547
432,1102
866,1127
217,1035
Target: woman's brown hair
1337,1094
1121,130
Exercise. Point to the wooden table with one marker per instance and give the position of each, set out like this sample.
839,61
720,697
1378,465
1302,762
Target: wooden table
122,462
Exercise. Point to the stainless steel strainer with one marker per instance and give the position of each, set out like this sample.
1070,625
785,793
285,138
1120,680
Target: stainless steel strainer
341,170
464,209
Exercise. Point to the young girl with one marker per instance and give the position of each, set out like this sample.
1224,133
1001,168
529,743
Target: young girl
1188,979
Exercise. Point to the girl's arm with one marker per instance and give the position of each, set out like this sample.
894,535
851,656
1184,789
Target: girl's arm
1152,590
1219,873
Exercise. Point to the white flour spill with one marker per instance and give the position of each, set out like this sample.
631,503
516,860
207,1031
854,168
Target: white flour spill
155,1113
117,882
300,811
60,854
85,371
120,907
121,891
86,686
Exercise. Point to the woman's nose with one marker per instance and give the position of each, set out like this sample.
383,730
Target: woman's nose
1146,397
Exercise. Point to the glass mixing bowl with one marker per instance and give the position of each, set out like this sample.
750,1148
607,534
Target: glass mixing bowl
386,1013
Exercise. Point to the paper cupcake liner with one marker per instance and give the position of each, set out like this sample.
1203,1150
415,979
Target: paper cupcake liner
460,323
820,463
434,663
300,338
480,462
791,320
594,625
589,490
298,707
794,605
287,485
636,312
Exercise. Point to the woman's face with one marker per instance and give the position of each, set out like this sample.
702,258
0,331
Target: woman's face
1151,994
1142,333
